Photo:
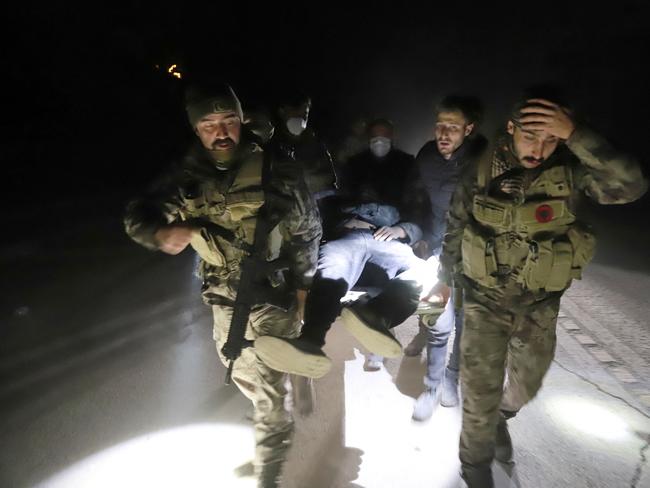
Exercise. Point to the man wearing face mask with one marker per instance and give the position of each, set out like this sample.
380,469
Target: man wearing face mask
515,243
224,191
378,229
295,136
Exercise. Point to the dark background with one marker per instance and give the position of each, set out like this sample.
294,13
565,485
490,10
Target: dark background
87,112
87,120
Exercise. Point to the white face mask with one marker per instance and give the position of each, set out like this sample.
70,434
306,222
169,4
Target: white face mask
380,146
296,125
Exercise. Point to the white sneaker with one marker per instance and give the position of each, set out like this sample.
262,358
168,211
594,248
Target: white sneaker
425,405
374,362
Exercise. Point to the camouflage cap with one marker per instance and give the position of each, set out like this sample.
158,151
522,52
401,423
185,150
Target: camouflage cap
201,100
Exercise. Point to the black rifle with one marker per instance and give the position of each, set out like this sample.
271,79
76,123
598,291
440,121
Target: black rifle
254,287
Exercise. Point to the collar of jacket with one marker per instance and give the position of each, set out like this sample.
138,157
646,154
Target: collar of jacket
457,157
504,158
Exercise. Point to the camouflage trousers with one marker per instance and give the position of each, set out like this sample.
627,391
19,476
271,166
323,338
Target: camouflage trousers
265,387
507,347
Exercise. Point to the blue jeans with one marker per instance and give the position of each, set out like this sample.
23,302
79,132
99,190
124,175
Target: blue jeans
340,265
437,340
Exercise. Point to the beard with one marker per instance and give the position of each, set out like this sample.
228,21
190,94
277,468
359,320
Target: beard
223,151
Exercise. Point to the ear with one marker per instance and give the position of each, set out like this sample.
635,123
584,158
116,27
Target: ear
468,129
510,127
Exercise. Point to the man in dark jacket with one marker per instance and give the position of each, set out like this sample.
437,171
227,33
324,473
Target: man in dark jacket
439,165
379,228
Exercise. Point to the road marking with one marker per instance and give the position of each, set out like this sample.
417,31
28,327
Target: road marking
603,356
569,324
624,374
645,399
588,324
585,340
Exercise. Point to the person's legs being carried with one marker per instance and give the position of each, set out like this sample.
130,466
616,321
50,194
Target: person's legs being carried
370,322
340,264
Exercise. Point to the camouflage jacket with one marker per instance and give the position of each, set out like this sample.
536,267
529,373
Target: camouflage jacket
596,169
170,200
313,157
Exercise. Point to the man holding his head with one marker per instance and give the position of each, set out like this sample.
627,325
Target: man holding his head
515,243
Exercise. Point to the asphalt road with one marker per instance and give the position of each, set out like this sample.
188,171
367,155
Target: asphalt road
109,377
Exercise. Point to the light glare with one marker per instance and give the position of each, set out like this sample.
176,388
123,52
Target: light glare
198,455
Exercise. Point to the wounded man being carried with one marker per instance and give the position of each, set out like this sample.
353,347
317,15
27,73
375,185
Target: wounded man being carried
377,226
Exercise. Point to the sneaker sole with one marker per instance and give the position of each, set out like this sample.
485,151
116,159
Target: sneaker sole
282,356
426,415
448,404
374,341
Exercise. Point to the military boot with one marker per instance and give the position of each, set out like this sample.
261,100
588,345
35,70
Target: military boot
425,405
418,342
449,393
302,393
477,477
503,446
246,470
269,475
295,356
371,331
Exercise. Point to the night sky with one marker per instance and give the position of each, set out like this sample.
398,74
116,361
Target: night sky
88,111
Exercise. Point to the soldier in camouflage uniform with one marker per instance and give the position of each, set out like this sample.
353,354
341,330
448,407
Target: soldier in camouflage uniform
514,242
296,137
211,201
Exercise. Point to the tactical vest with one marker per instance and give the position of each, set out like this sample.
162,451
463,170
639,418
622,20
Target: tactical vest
537,243
234,209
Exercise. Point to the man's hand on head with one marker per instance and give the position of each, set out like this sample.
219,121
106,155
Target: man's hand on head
172,239
389,233
540,114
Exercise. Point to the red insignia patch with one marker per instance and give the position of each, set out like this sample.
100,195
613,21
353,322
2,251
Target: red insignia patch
544,214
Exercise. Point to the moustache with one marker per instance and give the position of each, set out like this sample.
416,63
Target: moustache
228,140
